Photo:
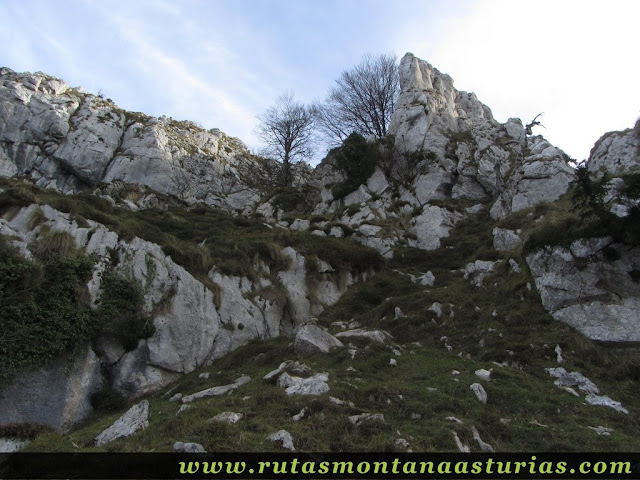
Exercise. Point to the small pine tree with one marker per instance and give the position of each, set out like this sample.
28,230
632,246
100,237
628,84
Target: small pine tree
588,195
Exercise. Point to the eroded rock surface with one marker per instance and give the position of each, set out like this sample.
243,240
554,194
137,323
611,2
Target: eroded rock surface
584,287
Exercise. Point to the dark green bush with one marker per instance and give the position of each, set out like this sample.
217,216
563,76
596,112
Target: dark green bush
631,186
358,159
45,306
108,400
289,199
120,313
588,195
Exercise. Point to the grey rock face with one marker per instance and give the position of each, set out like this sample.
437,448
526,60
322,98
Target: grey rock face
57,395
428,99
134,419
479,158
192,332
581,287
616,153
447,146
433,224
541,174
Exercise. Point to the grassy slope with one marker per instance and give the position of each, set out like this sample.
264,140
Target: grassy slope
525,411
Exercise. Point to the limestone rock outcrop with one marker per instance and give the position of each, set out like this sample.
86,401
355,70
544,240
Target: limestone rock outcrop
446,158
64,138
194,328
56,395
479,158
443,146
592,284
584,288
616,153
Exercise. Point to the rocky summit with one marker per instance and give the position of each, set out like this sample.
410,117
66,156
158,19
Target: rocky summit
459,284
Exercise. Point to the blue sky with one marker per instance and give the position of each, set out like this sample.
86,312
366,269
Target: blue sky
221,63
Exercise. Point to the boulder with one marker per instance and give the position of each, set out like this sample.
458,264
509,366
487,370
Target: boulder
134,419
217,391
378,336
311,339
228,418
363,418
428,279
477,271
314,385
284,438
480,392
188,447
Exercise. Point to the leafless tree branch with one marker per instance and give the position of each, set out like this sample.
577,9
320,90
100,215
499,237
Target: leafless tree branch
362,100
286,128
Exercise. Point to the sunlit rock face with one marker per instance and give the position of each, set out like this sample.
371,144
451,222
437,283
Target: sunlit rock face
64,138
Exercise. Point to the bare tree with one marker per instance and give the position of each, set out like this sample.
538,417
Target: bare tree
362,100
287,130
181,181
533,123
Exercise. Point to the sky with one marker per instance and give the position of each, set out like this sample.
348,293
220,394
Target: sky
222,63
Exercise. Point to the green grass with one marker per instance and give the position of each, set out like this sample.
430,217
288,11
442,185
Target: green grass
199,238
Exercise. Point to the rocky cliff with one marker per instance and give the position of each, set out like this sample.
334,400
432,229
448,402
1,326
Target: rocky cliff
450,191
592,282
446,157
196,321
65,138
